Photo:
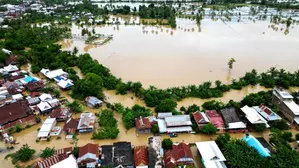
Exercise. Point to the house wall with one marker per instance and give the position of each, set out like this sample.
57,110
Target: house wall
287,113
144,131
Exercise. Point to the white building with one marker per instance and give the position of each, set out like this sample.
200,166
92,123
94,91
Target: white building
69,162
253,116
46,128
211,155
172,124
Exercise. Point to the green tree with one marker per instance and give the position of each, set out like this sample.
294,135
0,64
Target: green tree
19,128
47,152
222,140
75,106
166,105
230,63
209,129
155,129
24,154
259,127
167,143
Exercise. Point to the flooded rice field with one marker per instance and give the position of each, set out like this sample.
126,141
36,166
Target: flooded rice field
191,54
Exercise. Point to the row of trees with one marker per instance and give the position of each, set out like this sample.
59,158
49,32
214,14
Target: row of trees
239,154
108,126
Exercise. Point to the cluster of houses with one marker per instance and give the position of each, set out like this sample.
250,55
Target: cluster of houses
124,154
227,119
60,77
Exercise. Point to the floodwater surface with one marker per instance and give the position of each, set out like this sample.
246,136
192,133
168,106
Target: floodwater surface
165,57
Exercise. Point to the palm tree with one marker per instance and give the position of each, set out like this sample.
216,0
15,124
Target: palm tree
230,63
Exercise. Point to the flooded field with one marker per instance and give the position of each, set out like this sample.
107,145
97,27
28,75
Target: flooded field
164,57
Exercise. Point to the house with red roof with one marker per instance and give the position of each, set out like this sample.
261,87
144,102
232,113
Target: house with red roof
12,60
70,126
61,114
215,119
141,157
180,154
143,125
35,86
88,155
201,119
13,112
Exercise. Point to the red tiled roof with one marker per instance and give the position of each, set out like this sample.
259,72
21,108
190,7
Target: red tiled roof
266,109
13,112
64,151
143,123
13,78
46,163
172,157
12,60
140,156
199,119
215,118
60,113
23,121
89,148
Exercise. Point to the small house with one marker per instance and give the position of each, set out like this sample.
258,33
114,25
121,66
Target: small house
93,102
61,114
179,155
141,157
215,119
44,107
267,113
65,84
123,155
33,101
86,122
54,103
35,86
253,116
200,119
12,60
88,155
143,125
175,124
45,130
211,155
70,126
233,121
45,97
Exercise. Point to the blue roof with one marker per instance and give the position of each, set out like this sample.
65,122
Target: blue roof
30,79
58,78
253,142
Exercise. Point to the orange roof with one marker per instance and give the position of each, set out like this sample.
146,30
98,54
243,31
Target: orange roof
143,123
141,156
180,154
89,148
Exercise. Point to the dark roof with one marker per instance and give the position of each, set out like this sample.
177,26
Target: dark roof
13,112
123,154
230,115
71,125
12,60
143,123
107,159
35,94
15,77
24,121
152,157
141,156
89,148
265,144
172,157
60,113
35,86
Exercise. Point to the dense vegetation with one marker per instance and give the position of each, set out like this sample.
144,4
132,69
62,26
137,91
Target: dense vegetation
47,152
24,154
108,126
130,114
239,154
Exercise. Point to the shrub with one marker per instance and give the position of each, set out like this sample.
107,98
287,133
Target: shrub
167,143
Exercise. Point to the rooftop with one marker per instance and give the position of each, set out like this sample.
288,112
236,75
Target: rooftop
87,152
141,156
211,155
253,142
200,117
71,125
107,159
143,123
180,154
178,120
267,113
215,118
283,94
13,112
87,120
123,154
252,115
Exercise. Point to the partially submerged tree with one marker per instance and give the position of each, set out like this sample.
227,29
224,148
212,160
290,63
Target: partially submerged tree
167,143
47,152
230,63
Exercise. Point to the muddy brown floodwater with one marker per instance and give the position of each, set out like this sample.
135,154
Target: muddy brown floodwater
164,57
